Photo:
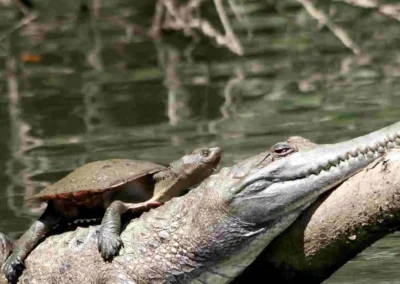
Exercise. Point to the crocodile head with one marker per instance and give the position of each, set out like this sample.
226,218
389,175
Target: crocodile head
294,173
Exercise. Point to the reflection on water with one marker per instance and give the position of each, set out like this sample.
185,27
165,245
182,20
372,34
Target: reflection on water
378,264
77,90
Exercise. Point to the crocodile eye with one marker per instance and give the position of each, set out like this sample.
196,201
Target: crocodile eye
205,153
281,149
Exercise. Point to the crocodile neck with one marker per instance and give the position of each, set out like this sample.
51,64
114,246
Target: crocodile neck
187,246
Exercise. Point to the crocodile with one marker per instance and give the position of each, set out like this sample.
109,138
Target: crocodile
214,232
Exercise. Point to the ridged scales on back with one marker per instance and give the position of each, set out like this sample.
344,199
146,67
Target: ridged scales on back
97,177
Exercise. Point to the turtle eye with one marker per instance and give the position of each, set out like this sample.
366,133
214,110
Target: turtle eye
282,149
205,153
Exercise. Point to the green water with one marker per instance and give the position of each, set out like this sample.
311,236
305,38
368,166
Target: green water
74,90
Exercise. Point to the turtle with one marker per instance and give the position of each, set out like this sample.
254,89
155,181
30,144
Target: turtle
107,189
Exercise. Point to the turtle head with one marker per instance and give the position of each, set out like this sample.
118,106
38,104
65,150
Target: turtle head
197,165
205,156
186,172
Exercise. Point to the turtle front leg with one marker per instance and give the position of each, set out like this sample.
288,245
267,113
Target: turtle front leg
14,265
110,242
6,248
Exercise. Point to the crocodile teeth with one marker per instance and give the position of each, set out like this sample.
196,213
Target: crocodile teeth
382,143
343,157
381,150
391,137
390,145
361,157
370,154
328,164
332,162
374,147
354,153
363,149
361,153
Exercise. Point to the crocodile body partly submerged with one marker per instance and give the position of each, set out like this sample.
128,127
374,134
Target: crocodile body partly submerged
214,232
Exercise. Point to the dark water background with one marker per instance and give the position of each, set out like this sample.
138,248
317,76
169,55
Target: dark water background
77,89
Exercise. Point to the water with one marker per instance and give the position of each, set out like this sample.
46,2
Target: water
77,90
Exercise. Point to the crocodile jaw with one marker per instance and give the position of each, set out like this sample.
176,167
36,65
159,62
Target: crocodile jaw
326,157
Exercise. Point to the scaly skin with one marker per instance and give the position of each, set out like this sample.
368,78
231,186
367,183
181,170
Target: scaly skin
214,232
181,174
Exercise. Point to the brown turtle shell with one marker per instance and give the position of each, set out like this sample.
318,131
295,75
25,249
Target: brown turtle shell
97,177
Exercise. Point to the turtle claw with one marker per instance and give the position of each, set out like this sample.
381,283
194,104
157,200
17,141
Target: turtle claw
13,268
109,246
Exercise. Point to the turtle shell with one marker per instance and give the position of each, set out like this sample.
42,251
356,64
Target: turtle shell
97,177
